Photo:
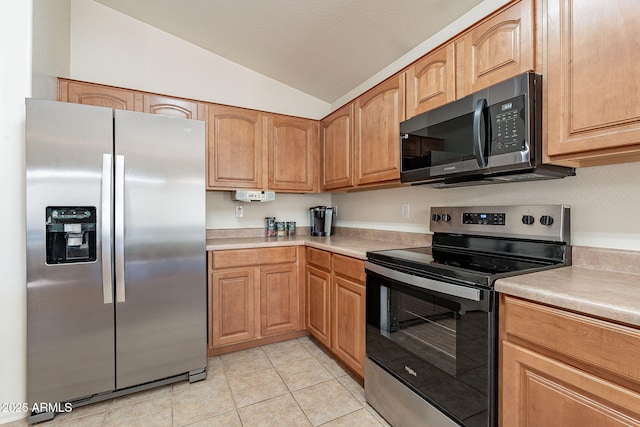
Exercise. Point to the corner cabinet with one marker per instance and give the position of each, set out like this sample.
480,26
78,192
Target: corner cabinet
293,154
335,292
336,149
592,82
566,369
378,114
254,298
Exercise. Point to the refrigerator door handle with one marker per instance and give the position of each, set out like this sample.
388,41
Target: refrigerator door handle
119,234
107,280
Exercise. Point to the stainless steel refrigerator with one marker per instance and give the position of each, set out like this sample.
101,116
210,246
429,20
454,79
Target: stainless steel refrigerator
116,262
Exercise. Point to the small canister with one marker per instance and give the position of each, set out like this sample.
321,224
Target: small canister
291,228
280,232
270,226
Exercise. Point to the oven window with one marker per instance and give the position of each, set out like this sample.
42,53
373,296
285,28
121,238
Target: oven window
436,345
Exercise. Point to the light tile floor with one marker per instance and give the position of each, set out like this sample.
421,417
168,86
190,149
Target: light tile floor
292,383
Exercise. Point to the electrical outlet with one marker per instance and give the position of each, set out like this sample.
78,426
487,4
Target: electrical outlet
405,210
239,211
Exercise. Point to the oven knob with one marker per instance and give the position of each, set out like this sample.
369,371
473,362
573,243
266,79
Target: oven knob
435,217
528,219
546,220
446,217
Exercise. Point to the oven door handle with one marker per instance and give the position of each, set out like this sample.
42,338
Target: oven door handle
429,284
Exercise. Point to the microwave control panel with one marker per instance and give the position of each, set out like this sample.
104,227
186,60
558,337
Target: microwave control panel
508,126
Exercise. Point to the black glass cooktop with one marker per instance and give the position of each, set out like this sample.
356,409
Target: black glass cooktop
466,265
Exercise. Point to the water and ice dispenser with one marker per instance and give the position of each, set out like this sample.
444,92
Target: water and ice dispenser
70,234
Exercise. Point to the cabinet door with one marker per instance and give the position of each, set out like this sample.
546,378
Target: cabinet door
592,82
278,299
431,81
497,49
293,147
318,304
336,149
101,96
348,337
378,116
233,307
235,148
174,107
540,391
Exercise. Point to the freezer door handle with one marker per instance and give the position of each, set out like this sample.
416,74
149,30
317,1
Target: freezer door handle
119,223
107,280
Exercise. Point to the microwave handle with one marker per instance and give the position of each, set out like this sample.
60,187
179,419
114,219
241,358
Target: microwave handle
480,133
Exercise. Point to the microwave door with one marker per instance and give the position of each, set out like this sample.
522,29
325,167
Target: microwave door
480,132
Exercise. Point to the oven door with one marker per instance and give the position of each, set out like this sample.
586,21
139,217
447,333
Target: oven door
437,338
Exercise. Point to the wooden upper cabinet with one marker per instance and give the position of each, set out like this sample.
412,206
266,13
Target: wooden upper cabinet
378,114
235,147
99,95
336,149
174,107
496,49
592,82
293,148
431,81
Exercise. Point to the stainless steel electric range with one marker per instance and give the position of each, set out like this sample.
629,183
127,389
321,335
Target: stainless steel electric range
432,312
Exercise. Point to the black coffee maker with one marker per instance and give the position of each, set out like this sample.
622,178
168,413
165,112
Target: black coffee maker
321,220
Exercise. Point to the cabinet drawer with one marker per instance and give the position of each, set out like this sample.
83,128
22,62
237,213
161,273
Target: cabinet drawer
349,267
319,258
261,256
602,344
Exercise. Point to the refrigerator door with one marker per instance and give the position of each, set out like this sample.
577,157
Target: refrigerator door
160,247
70,313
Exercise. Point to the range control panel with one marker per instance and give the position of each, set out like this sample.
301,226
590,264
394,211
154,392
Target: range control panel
538,222
483,218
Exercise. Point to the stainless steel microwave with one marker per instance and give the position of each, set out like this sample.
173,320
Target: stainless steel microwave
491,136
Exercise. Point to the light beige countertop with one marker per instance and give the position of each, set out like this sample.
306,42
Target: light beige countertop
349,246
608,294
585,287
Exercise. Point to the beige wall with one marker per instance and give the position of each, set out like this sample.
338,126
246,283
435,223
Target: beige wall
604,201
15,85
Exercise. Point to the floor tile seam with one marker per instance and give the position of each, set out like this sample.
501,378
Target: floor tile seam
208,418
328,421
276,366
175,424
352,394
262,400
197,385
342,416
226,374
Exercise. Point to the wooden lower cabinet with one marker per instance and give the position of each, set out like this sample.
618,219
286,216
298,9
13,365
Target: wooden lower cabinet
335,289
560,368
348,320
233,317
278,299
254,298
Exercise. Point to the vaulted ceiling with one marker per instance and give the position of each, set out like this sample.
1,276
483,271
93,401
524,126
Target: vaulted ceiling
324,48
